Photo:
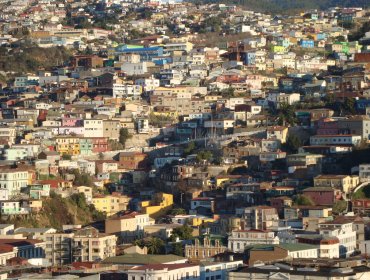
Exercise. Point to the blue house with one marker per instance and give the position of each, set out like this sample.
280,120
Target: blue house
307,43
146,53
250,58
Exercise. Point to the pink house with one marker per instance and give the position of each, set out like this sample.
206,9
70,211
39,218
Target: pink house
325,196
327,127
68,130
72,122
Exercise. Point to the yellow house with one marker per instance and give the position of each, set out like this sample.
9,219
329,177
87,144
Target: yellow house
157,16
198,221
278,49
343,182
220,180
110,204
68,145
173,114
159,205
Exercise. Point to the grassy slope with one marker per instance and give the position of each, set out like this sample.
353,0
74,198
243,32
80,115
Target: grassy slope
56,212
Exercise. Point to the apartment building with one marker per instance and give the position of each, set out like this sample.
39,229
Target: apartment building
207,249
343,230
129,225
58,249
344,183
240,239
13,180
260,217
93,128
90,245
164,271
110,204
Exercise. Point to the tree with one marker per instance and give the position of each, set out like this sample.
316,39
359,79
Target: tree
178,249
101,156
82,179
349,105
293,143
124,135
204,155
178,211
155,245
184,232
303,200
190,148
227,93
340,206
286,114
66,157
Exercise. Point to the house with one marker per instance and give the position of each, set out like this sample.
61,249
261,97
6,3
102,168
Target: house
259,217
240,239
165,271
23,248
132,160
90,245
218,270
281,270
6,229
364,172
350,140
343,230
14,180
128,225
110,204
203,205
284,251
162,231
160,204
279,133
210,247
361,206
136,259
85,244
345,183
323,195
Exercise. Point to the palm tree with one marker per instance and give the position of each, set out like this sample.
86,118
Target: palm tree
155,245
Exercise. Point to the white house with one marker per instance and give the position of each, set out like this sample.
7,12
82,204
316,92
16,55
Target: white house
93,128
164,271
240,239
343,230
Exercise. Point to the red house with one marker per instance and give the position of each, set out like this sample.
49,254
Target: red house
132,160
324,196
361,206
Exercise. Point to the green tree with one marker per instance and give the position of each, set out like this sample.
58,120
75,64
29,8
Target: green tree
66,157
286,115
204,155
178,211
349,105
189,148
184,232
340,206
124,135
82,179
303,200
293,143
228,93
178,249
155,245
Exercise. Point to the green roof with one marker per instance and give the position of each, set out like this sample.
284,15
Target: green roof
286,246
139,259
297,246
